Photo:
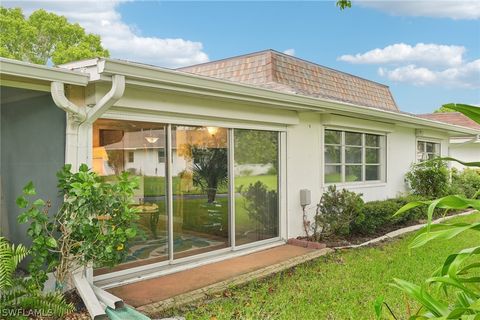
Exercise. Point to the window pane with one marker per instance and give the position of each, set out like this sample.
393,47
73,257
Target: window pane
430,147
353,139
200,189
372,173
333,174
372,140
134,146
353,173
333,154
256,185
420,146
372,155
333,137
353,155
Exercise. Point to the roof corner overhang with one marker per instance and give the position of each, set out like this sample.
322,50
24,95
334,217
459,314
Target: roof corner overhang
24,74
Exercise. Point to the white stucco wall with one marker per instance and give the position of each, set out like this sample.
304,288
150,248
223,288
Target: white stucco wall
305,161
467,152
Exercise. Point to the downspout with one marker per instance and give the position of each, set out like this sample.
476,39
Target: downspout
79,122
77,116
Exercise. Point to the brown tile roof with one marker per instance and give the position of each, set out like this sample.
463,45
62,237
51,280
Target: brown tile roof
455,118
277,71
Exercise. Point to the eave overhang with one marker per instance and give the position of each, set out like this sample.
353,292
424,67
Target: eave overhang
18,73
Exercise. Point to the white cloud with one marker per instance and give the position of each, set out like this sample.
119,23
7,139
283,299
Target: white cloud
466,75
468,10
122,40
290,52
429,54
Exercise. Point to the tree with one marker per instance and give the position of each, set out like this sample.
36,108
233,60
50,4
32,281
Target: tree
343,4
45,37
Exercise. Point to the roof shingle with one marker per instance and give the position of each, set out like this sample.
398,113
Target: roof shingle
277,71
455,118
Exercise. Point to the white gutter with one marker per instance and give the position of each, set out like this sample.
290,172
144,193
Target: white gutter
81,114
23,69
58,95
112,96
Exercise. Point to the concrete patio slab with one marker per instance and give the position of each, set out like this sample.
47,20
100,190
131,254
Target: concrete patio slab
157,294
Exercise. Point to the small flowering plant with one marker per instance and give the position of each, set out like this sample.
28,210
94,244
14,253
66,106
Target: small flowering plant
92,227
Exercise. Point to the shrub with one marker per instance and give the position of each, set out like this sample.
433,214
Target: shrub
429,179
93,225
466,182
336,211
261,205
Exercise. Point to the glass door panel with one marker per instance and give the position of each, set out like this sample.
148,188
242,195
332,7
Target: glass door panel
200,190
256,185
139,148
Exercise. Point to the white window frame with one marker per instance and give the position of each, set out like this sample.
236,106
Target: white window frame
382,161
425,141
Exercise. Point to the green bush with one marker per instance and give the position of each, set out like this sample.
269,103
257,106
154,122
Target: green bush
336,212
466,182
377,215
429,179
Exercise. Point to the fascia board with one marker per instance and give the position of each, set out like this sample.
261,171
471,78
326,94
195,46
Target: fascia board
40,72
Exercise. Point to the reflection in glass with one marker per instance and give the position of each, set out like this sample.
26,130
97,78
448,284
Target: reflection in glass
353,173
134,147
353,155
256,185
353,139
333,174
200,189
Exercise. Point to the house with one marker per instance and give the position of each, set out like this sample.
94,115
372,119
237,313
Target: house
212,144
465,148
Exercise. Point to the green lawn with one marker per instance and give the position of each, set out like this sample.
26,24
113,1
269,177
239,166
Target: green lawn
339,286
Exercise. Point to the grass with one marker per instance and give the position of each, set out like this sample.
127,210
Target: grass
342,285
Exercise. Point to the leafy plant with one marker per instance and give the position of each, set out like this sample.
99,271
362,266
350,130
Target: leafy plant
429,179
210,169
466,182
261,205
93,226
458,276
21,296
335,212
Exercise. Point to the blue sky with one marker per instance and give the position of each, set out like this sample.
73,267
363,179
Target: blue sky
427,52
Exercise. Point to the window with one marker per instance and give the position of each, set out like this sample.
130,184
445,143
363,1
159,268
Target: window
353,156
427,150
131,156
161,156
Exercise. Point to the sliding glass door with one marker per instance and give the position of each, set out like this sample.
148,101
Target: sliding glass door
201,188
256,185
139,148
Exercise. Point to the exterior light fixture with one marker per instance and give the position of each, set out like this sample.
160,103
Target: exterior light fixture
212,130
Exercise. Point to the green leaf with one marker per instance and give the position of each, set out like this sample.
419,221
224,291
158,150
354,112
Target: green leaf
29,189
130,232
22,202
441,232
51,242
433,305
39,203
378,305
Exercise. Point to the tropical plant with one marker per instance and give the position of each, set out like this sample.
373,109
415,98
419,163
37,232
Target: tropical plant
458,276
210,169
21,297
92,227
